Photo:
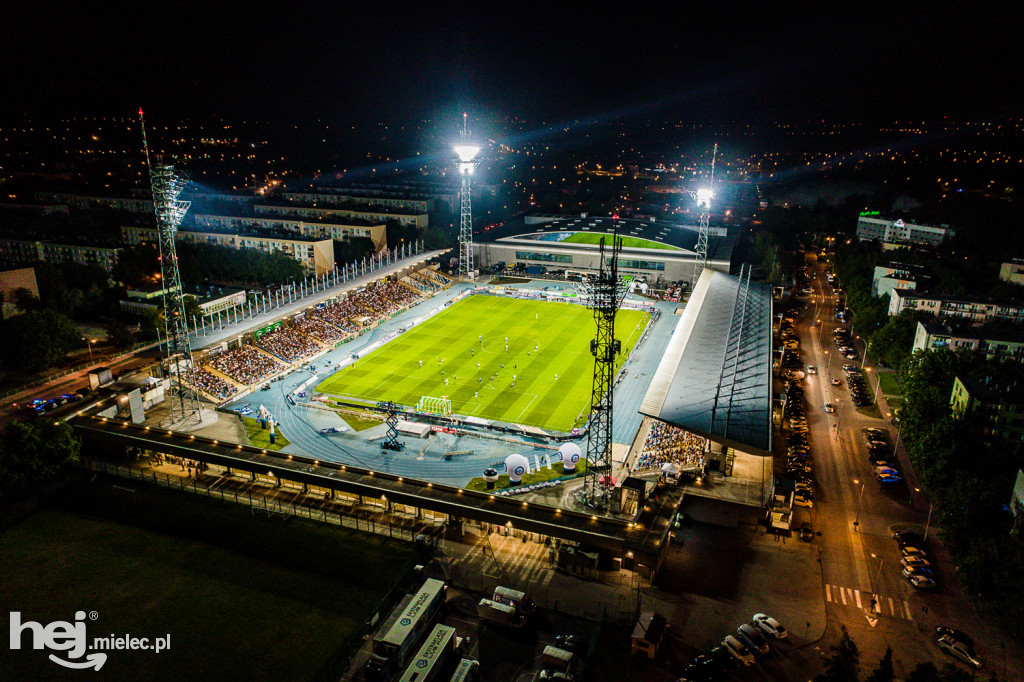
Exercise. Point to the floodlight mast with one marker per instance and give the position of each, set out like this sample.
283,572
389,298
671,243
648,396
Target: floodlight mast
166,187
605,293
466,161
703,197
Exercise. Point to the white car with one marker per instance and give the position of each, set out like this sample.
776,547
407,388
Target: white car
958,649
915,562
738,650
914,551
811,369
769,626
801,501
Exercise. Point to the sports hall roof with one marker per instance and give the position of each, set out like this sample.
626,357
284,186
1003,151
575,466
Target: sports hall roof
715,378
669,239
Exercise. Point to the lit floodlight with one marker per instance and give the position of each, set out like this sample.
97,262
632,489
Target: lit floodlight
466,152
704,196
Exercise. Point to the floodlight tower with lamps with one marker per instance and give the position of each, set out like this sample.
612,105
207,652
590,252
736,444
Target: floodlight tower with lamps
166,186
466,162
703,197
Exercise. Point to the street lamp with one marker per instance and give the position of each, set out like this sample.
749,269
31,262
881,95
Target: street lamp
874,583
89,342
856,520
878,383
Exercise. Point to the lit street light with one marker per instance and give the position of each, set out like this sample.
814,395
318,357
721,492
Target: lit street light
860,498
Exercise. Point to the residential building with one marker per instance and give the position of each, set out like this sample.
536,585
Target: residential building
375,214
1012,271
973,308
83,201
390,201
899,232
316,255
11,281
999,405
896,276
14,251
212,300
999,343
312,227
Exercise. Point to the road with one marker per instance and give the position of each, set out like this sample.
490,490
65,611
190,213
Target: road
856,518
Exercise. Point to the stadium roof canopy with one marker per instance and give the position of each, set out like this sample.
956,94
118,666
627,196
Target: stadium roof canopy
667,239
715,378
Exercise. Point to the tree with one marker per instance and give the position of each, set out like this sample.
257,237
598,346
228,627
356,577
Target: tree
35,452
25,300
844,663
884,672
37,340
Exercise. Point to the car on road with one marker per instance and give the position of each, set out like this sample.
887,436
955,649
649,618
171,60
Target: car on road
752,637
811,369
959,636
922,582
738,650
836,381
959,650
829,407
768,625
804,533
882,470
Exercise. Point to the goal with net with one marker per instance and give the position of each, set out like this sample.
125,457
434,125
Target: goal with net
434,405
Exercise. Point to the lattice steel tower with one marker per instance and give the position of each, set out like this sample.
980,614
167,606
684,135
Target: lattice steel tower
166,186
703,198
605,293
466,162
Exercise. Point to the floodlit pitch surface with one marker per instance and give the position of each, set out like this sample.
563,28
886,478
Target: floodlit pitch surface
474,331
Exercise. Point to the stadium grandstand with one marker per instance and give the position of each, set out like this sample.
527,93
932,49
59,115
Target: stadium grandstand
651,251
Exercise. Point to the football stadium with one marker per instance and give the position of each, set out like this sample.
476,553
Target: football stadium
499,358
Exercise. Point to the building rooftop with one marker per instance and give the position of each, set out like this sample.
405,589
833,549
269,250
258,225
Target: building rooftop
715,378
584,232
990,389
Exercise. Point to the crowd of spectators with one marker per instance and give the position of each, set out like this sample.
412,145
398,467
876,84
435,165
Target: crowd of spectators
288,344
667,444
246,365
311,325
372,303
213,385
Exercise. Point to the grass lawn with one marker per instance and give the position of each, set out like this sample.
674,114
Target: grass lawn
260,437
536,476
628,242
890,384
473,332
243,608
357,422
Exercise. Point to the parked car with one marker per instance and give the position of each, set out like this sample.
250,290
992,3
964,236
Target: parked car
738,650
916,570
805,534
914,561
570,643
811,369
836,381
910,550
768,625
803,501
958,650
955,634
888,479
752,637
922,582
829,407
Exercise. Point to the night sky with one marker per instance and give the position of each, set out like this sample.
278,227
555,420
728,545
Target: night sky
371,61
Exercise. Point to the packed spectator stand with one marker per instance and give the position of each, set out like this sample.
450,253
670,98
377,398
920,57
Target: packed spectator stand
667,444
246,365
319,329
288,344
213,385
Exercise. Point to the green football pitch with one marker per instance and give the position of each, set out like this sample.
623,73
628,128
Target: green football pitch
460,354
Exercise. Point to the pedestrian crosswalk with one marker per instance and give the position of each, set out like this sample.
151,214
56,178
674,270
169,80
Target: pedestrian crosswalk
883,605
